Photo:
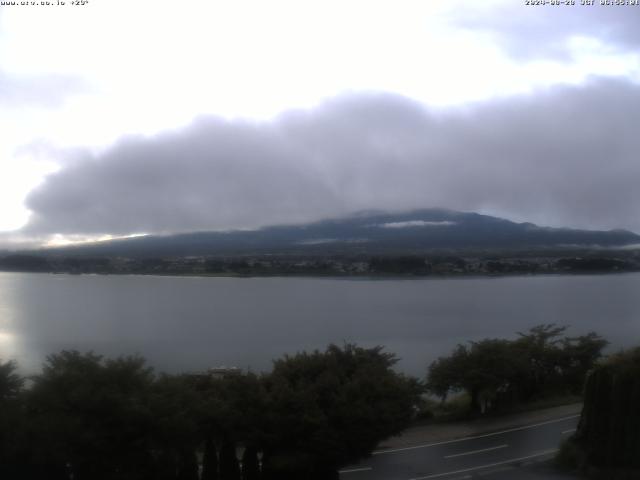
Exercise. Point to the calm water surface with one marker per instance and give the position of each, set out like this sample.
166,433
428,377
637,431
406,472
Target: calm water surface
191,323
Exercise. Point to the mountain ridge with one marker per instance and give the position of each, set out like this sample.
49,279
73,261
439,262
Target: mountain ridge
366,232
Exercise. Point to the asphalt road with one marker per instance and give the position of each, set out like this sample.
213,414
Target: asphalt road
490,455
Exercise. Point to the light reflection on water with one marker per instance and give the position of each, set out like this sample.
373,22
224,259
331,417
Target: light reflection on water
190,323
8,337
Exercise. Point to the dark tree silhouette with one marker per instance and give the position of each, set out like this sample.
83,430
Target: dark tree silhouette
332,408
210,461
229,465
609,430
497,373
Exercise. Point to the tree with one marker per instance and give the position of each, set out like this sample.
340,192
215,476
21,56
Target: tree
229,465
13,435
484,370
250,464
210,461
492,371
10,382
580,354
90,415
176,431
541,347
232,412
445,375
331,408
498,373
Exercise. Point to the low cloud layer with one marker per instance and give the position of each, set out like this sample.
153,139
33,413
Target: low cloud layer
416,223
566,156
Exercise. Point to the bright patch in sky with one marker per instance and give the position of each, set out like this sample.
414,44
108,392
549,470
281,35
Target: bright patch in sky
64,240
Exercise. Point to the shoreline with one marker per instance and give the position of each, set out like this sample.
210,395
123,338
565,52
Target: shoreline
334,276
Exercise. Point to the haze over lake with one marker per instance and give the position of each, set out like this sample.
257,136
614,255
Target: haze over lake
192,323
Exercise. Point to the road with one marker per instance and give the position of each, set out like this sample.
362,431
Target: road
488,455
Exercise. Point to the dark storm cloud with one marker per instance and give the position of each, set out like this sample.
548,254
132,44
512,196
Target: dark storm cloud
539,31
43,90
566,156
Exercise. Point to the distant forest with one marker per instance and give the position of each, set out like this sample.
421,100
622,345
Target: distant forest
469,263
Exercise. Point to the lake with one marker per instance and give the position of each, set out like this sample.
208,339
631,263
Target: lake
192,323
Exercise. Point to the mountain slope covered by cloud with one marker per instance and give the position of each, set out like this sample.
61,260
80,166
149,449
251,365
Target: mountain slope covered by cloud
566,155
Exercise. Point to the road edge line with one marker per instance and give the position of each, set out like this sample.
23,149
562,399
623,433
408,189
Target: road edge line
482,467
484,435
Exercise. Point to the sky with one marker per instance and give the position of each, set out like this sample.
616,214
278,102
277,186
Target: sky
121,118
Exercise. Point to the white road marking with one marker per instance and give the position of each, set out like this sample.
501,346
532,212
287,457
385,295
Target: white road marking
476,451
464,439
489,465
353,470
568,431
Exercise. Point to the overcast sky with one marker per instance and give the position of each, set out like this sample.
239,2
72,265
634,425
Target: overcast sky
122,117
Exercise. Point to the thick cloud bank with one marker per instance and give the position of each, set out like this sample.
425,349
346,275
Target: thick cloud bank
566,156
541,31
